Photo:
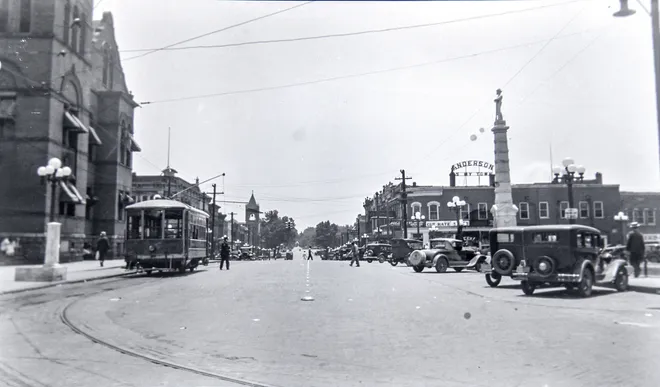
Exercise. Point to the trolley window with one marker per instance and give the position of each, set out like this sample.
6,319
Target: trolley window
197,227
173,224
134,227
153,224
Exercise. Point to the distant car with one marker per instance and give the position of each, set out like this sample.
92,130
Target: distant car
289,255
402,248
379,251
446,253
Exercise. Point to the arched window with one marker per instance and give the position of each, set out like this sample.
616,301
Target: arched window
111,71
75,30
83,34
106,65
67,22
434,210
416,207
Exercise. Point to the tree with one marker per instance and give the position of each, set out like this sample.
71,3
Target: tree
274,229
326,234
306,238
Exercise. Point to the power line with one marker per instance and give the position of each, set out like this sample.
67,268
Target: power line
349,76
356,33
217,31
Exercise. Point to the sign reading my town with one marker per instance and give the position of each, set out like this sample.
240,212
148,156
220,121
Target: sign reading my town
483,168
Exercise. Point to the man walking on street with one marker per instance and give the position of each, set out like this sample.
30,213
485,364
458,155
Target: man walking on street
102,247
309,255
224,252
356,254
636,247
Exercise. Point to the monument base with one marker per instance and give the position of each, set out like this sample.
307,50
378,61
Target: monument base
40,274
505,215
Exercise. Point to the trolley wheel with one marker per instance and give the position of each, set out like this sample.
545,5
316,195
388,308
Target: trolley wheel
191,269
148,272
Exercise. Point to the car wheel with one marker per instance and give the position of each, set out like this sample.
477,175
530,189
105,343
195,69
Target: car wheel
370,260
528,288
441,265
586,284
394,263
621,280
458,269
418,269
493,279
381,259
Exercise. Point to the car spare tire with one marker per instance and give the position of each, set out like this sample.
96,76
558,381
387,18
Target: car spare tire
503,262
417,258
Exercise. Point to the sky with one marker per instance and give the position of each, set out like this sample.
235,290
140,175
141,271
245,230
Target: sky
576,82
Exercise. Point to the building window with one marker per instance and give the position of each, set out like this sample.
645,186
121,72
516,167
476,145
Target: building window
483,211
4,16
465,212
544,212
416,207
562,209
67,22
120,205
637,216
524,210
599,211
75,29
584,210
434,208
26,16
67,208
649,216
83,33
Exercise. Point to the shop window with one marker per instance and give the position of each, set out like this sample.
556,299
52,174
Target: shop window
483,211
649,216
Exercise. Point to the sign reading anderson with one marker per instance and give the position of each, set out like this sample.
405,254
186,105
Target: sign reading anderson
480,165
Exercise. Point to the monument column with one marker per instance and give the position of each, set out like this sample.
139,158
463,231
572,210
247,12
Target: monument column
504,211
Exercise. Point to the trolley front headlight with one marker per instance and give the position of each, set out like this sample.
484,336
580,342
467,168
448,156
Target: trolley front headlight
152,248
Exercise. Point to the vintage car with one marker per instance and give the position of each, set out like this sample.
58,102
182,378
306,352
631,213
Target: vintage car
402,248
572,256
377,251
445,253
288,255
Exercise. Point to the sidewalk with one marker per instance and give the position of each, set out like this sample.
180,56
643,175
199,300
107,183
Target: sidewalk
76,272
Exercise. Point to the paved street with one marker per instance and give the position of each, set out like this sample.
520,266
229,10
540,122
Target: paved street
375,325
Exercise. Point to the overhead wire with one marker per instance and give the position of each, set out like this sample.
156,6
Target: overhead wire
355,33
218,31
349,76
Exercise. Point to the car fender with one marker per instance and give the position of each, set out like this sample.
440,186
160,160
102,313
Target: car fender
584,265
477,259
613,268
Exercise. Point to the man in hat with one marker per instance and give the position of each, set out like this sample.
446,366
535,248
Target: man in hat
636,247
102,247
224,252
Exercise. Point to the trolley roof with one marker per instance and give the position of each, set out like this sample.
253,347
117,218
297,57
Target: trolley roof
155,204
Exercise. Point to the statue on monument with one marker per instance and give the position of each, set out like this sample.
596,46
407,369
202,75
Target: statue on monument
498,106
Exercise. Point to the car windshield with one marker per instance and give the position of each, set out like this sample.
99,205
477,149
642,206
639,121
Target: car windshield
441,244
416,245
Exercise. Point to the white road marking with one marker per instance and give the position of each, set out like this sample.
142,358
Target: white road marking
634,324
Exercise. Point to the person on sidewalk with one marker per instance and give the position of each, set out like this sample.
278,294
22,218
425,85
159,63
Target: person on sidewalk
224,252
309,255
102,247
356,254
636,248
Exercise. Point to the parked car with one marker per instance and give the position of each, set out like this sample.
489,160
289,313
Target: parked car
572,256
377,251
653,251
402,248
288,255
446,253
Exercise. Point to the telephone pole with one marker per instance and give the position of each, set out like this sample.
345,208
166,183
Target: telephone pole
232,228
404,201
377,215
213,211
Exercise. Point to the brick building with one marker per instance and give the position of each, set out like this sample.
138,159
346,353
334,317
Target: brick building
641,207
62,94
168,184
538,203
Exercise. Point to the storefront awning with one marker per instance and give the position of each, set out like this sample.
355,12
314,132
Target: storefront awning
72,122
94,137
71,192
134,145
126,198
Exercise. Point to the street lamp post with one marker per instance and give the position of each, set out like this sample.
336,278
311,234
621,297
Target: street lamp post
53,173
418,217
622,219
456,205
567,176
624,11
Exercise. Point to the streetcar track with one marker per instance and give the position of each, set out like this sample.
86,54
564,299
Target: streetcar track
66,321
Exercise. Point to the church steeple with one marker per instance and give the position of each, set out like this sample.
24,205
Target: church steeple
252,203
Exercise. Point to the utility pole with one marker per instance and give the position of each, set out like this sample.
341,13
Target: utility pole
377,215
232,228
404,201
213,211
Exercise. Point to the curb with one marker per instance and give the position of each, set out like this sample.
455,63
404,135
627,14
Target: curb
644,289
52,285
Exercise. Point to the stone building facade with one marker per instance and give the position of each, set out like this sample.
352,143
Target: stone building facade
62,94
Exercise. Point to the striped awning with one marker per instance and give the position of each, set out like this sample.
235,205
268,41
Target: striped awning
72,122
71,192
94,137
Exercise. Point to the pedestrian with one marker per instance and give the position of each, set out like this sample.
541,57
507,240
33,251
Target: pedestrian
224,252
309,255
356,253
102,247
635,247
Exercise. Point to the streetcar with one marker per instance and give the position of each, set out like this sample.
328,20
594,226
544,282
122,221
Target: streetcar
163,234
